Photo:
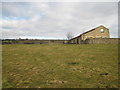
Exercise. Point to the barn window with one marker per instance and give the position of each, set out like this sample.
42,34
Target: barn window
101,30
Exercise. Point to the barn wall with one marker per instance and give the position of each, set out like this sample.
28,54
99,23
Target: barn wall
96,33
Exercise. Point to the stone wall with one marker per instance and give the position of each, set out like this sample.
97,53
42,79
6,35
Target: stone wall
102,41
34,41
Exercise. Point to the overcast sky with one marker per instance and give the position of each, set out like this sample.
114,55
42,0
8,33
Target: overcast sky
55,19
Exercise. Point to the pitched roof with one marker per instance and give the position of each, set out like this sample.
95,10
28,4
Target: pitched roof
89,31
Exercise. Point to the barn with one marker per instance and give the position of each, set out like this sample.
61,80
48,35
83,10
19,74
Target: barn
98,32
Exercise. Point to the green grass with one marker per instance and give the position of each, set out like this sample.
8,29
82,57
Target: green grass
60,66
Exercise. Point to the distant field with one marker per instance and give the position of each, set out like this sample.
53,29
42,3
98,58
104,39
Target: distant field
60,66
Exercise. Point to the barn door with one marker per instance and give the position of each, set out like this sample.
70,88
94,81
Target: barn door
77,41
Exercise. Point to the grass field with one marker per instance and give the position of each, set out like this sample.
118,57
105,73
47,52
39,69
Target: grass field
60,66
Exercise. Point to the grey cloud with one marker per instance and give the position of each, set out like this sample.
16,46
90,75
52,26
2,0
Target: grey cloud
57,19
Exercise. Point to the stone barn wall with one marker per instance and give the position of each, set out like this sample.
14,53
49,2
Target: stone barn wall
96,33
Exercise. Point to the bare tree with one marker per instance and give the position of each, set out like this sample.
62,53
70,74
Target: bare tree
69,35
